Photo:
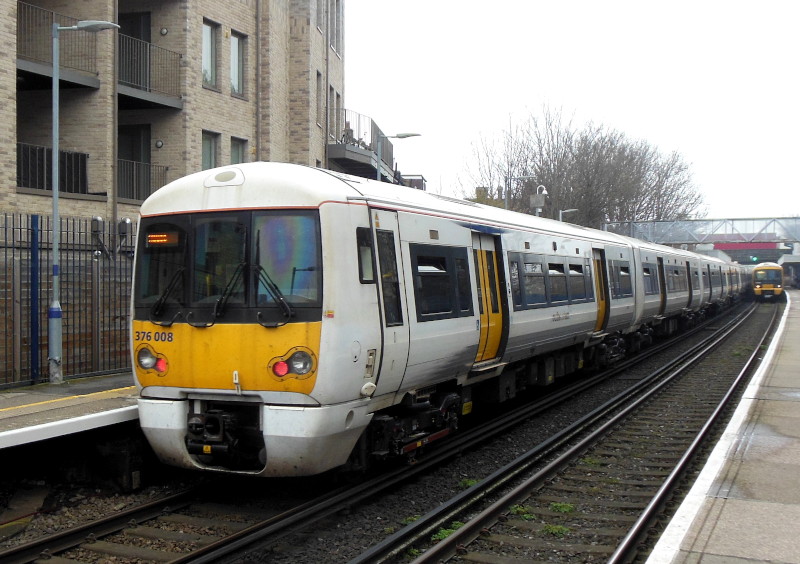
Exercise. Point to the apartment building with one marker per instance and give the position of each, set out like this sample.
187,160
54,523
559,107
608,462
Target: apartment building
182,85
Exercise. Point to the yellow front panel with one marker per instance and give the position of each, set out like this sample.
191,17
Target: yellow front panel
209,358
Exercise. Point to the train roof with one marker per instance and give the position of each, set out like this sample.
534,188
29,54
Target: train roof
275,185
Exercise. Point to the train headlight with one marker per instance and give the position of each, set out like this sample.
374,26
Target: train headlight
146,358
301,363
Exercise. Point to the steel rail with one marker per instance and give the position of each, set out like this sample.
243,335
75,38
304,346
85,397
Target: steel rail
65,540
404,538
628,545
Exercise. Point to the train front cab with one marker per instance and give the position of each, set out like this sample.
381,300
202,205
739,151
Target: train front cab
768,282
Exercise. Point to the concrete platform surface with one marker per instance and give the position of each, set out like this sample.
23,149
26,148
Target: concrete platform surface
51,410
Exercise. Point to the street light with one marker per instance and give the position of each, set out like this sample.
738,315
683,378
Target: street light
509,180
537,200
54,345
379,142
562,212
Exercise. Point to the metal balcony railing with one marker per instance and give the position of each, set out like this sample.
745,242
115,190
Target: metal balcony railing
77,50
148,67
138,180
352,128
34,169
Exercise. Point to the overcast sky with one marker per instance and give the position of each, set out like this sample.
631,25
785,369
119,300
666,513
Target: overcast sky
716,81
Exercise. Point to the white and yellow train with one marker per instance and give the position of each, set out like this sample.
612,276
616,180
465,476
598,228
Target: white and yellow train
287,319
768,281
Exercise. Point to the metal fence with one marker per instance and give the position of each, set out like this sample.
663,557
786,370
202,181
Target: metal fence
352,128
138,180
95,275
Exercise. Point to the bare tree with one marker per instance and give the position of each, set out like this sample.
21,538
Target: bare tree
600,172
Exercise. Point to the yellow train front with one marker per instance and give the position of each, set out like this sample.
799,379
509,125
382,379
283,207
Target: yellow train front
768,281
227,322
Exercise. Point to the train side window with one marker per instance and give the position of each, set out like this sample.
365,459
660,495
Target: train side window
625,284
558,282
492,281
390,281
681,282
587,270
478,280
432,281
464,289
442,287
650,273
535,289
621,285
695,280
577,283
366,266
516,289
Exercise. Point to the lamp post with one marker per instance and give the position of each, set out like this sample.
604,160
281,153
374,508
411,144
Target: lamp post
379,148
562,212
537,200
54,338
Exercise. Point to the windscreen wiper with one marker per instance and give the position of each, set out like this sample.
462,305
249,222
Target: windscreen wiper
219,307
158,307
274,292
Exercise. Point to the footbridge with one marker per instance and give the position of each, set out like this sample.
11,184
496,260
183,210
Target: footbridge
744,240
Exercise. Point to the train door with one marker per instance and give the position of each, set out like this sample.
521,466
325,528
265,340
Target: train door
490,308
392,297
662,282
601,288
689,284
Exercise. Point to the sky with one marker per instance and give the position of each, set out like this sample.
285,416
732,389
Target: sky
716,81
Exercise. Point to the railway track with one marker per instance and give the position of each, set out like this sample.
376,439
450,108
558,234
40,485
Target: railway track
187,529
600,497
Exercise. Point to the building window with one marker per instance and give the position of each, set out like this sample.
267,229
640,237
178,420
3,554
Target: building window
238,150
210,143
320,100
335,24
210,34
320,14
237,63
332,113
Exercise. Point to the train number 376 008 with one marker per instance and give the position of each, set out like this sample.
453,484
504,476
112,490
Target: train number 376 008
163,336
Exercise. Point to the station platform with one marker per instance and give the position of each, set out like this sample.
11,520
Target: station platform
745,504
46,411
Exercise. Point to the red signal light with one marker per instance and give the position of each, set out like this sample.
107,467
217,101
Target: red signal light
280,368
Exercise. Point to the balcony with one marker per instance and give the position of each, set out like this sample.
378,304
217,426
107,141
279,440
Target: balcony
353,146
78,50
35,167
138,180
149,76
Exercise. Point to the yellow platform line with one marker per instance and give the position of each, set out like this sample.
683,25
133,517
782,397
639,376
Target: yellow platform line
67,398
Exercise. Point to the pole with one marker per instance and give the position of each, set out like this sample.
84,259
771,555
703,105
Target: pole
54,346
